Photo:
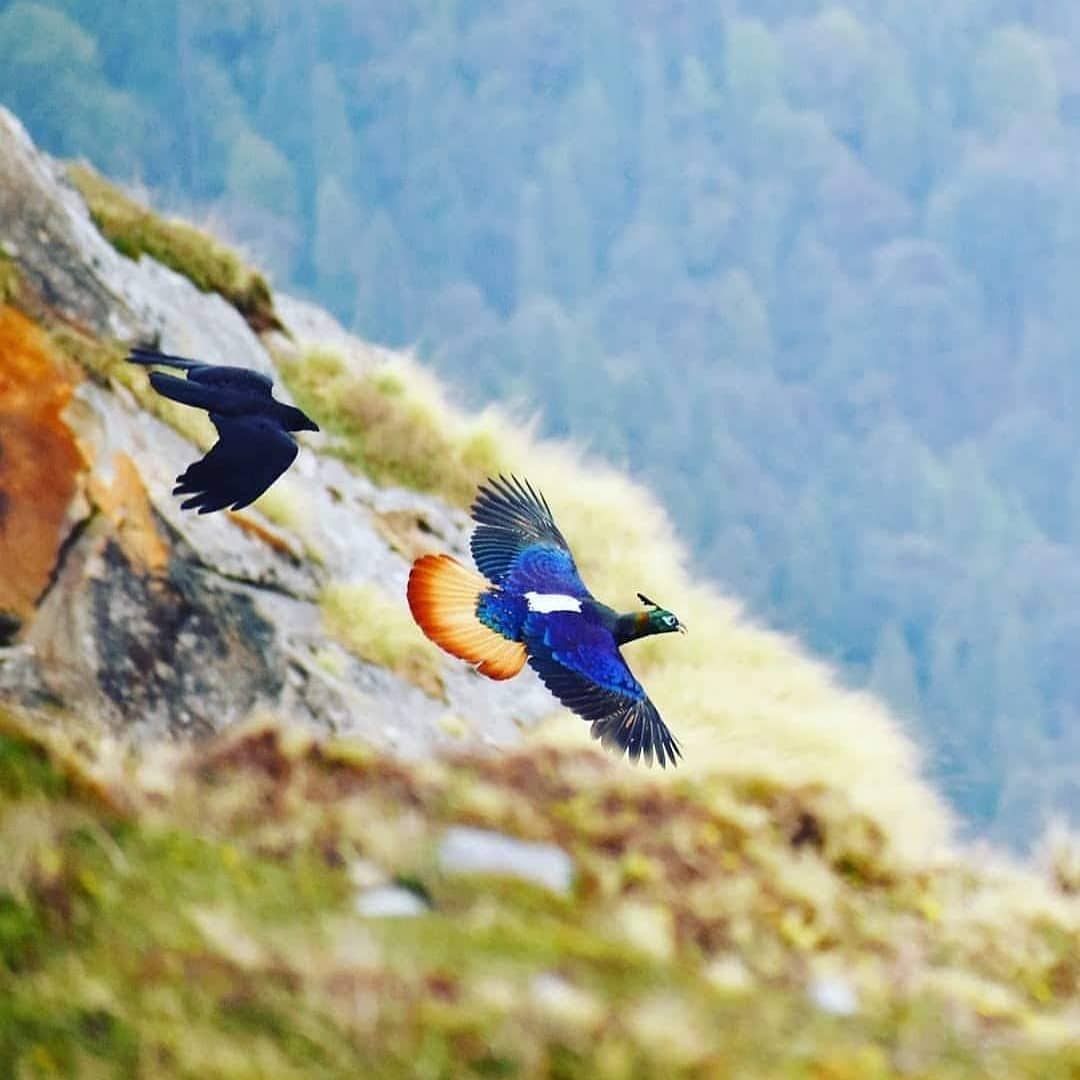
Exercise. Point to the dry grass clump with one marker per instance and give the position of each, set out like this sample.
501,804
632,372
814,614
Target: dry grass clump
208,264
1060,855
392,420
377,627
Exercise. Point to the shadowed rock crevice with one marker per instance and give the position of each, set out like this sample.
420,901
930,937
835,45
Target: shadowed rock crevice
173,651
178,645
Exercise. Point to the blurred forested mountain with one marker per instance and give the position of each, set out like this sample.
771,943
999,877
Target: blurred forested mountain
809,269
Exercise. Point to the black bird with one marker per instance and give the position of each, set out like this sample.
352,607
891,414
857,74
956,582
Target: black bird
254,446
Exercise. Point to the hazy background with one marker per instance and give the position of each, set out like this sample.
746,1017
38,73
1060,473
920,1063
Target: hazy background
810,270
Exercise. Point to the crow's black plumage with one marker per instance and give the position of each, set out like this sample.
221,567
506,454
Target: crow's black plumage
254,446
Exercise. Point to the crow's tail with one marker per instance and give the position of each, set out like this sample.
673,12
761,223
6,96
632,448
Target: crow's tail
185,391
139,355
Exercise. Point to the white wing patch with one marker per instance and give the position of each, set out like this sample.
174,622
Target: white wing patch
548,602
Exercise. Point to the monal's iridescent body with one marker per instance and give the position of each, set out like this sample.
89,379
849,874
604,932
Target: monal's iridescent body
531,604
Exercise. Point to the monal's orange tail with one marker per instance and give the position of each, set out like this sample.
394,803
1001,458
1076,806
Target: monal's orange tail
442,597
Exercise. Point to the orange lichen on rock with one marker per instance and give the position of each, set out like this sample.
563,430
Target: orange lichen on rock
272,538
127,506
40,460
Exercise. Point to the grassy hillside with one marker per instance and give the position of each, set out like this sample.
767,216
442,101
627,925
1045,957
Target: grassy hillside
782,904
201,915
743,701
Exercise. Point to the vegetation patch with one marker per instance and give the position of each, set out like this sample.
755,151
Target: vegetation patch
212,930
10,280
207,263
393,420
377,627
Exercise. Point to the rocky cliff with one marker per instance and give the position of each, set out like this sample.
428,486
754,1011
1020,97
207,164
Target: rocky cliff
157,621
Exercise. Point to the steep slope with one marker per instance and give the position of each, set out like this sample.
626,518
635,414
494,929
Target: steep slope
149,619
159,621
784,903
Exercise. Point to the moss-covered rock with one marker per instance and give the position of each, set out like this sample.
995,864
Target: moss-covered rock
208,264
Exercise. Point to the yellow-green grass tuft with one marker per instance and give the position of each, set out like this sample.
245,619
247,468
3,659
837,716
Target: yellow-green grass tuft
392,420
287,505
1060,854
376,626
208,264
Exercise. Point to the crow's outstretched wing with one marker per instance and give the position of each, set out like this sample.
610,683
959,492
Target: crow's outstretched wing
241,380
578,661
517,544
251,453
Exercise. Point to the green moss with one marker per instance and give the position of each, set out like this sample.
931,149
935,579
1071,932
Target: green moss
392,421
26,769
210,266
20,931
10,280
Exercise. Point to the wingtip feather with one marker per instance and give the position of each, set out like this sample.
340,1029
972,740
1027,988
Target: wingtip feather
639,732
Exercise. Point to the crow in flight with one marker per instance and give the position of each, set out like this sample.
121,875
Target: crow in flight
254,446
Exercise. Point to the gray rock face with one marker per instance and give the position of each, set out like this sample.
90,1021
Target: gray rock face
165,622
179,651
46,230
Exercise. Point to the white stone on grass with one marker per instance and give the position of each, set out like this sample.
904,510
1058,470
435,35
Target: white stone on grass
389,902
834,994
465,850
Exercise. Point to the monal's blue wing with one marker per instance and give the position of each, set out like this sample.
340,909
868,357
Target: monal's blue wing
516,535
578,661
